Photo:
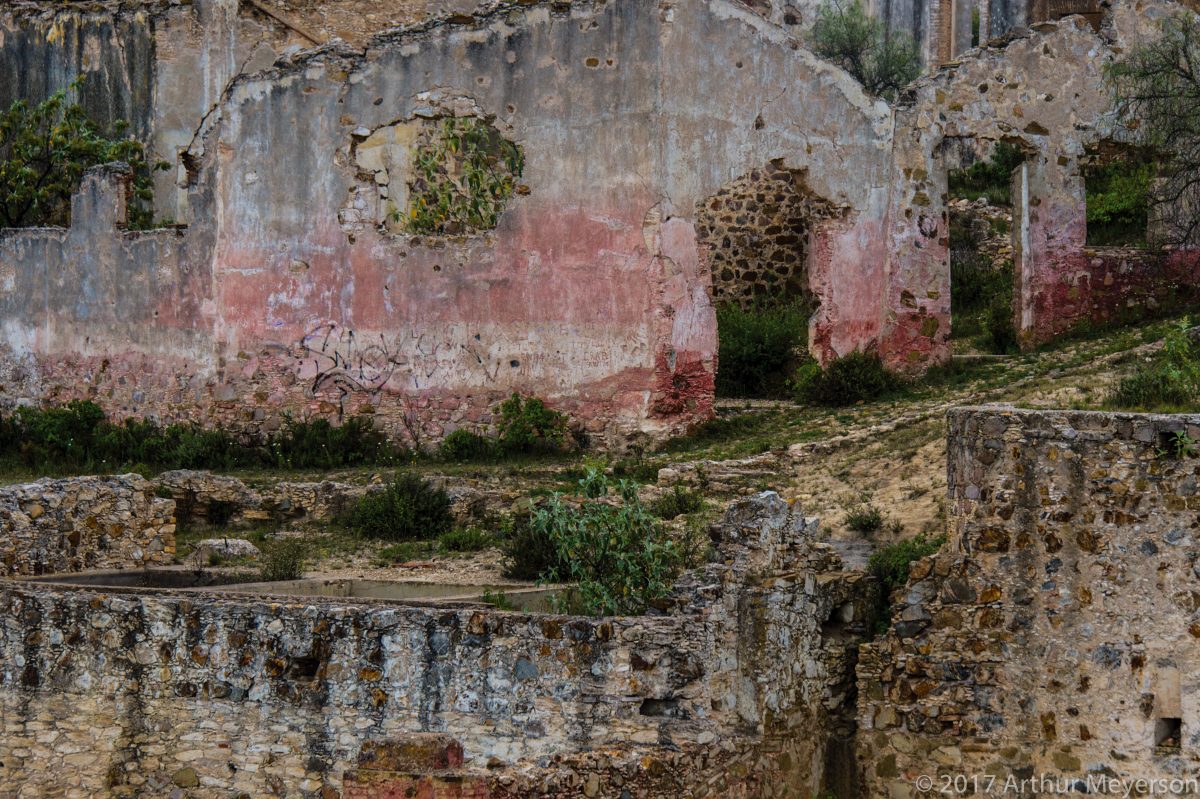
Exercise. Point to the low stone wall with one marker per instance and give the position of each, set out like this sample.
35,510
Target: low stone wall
1055,634
79,523
308,697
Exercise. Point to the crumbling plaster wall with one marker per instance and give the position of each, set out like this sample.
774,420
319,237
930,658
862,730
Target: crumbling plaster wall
1045,91
591,292
240,694
1059,623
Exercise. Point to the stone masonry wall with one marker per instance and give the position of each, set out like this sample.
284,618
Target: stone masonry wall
756,233
79,523
1055,634
222,695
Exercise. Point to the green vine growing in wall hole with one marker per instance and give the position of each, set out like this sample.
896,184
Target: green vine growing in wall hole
465,172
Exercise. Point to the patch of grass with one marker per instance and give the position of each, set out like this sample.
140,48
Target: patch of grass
467,539
404,552
1168,382
891,564
759,348
408,508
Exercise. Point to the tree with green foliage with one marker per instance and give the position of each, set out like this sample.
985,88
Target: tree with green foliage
44,151
884,61
1157,89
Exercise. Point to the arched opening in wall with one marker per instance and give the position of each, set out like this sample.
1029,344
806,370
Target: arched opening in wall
982,247
757,235
1117,180
1094,11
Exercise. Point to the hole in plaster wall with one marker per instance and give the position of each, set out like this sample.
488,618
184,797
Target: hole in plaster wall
663,708
1168,733
448,175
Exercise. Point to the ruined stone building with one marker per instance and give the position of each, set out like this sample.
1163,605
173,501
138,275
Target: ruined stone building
670,155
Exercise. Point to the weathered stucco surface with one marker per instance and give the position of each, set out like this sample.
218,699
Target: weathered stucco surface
1058,626
591,292
723,695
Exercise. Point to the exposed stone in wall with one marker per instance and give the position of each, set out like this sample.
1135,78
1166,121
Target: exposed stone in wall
756,233
1058,626
233,694
79,523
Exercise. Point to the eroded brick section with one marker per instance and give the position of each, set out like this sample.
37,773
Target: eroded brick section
1056,631
80,523
722,691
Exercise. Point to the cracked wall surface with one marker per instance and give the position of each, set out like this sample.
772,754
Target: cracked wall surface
1059,624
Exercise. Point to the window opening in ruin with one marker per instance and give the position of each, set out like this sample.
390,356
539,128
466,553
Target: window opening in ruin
757,234
448,176
976,21
1117,182
980,183
1168,733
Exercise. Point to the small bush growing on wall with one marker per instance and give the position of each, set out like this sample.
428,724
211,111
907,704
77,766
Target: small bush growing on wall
758,348
408,509
44,151
465,174
883,61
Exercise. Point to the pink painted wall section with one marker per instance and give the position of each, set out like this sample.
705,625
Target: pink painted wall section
1061,283
846,275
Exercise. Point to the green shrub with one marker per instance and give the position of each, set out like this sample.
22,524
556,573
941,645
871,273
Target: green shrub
1170,381
617,554
864,518
858,377
408,508
320,445
284,561
465,446
468,539
883,61
758,348
529,552
526,425
891,564
679,502
1118,202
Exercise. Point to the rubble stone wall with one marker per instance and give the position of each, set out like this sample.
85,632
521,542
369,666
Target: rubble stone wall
1055,634
223,694
78,523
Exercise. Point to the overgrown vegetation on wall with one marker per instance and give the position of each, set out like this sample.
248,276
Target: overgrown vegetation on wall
465,174
883,61
524,426
1157,87
44,151
759,348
